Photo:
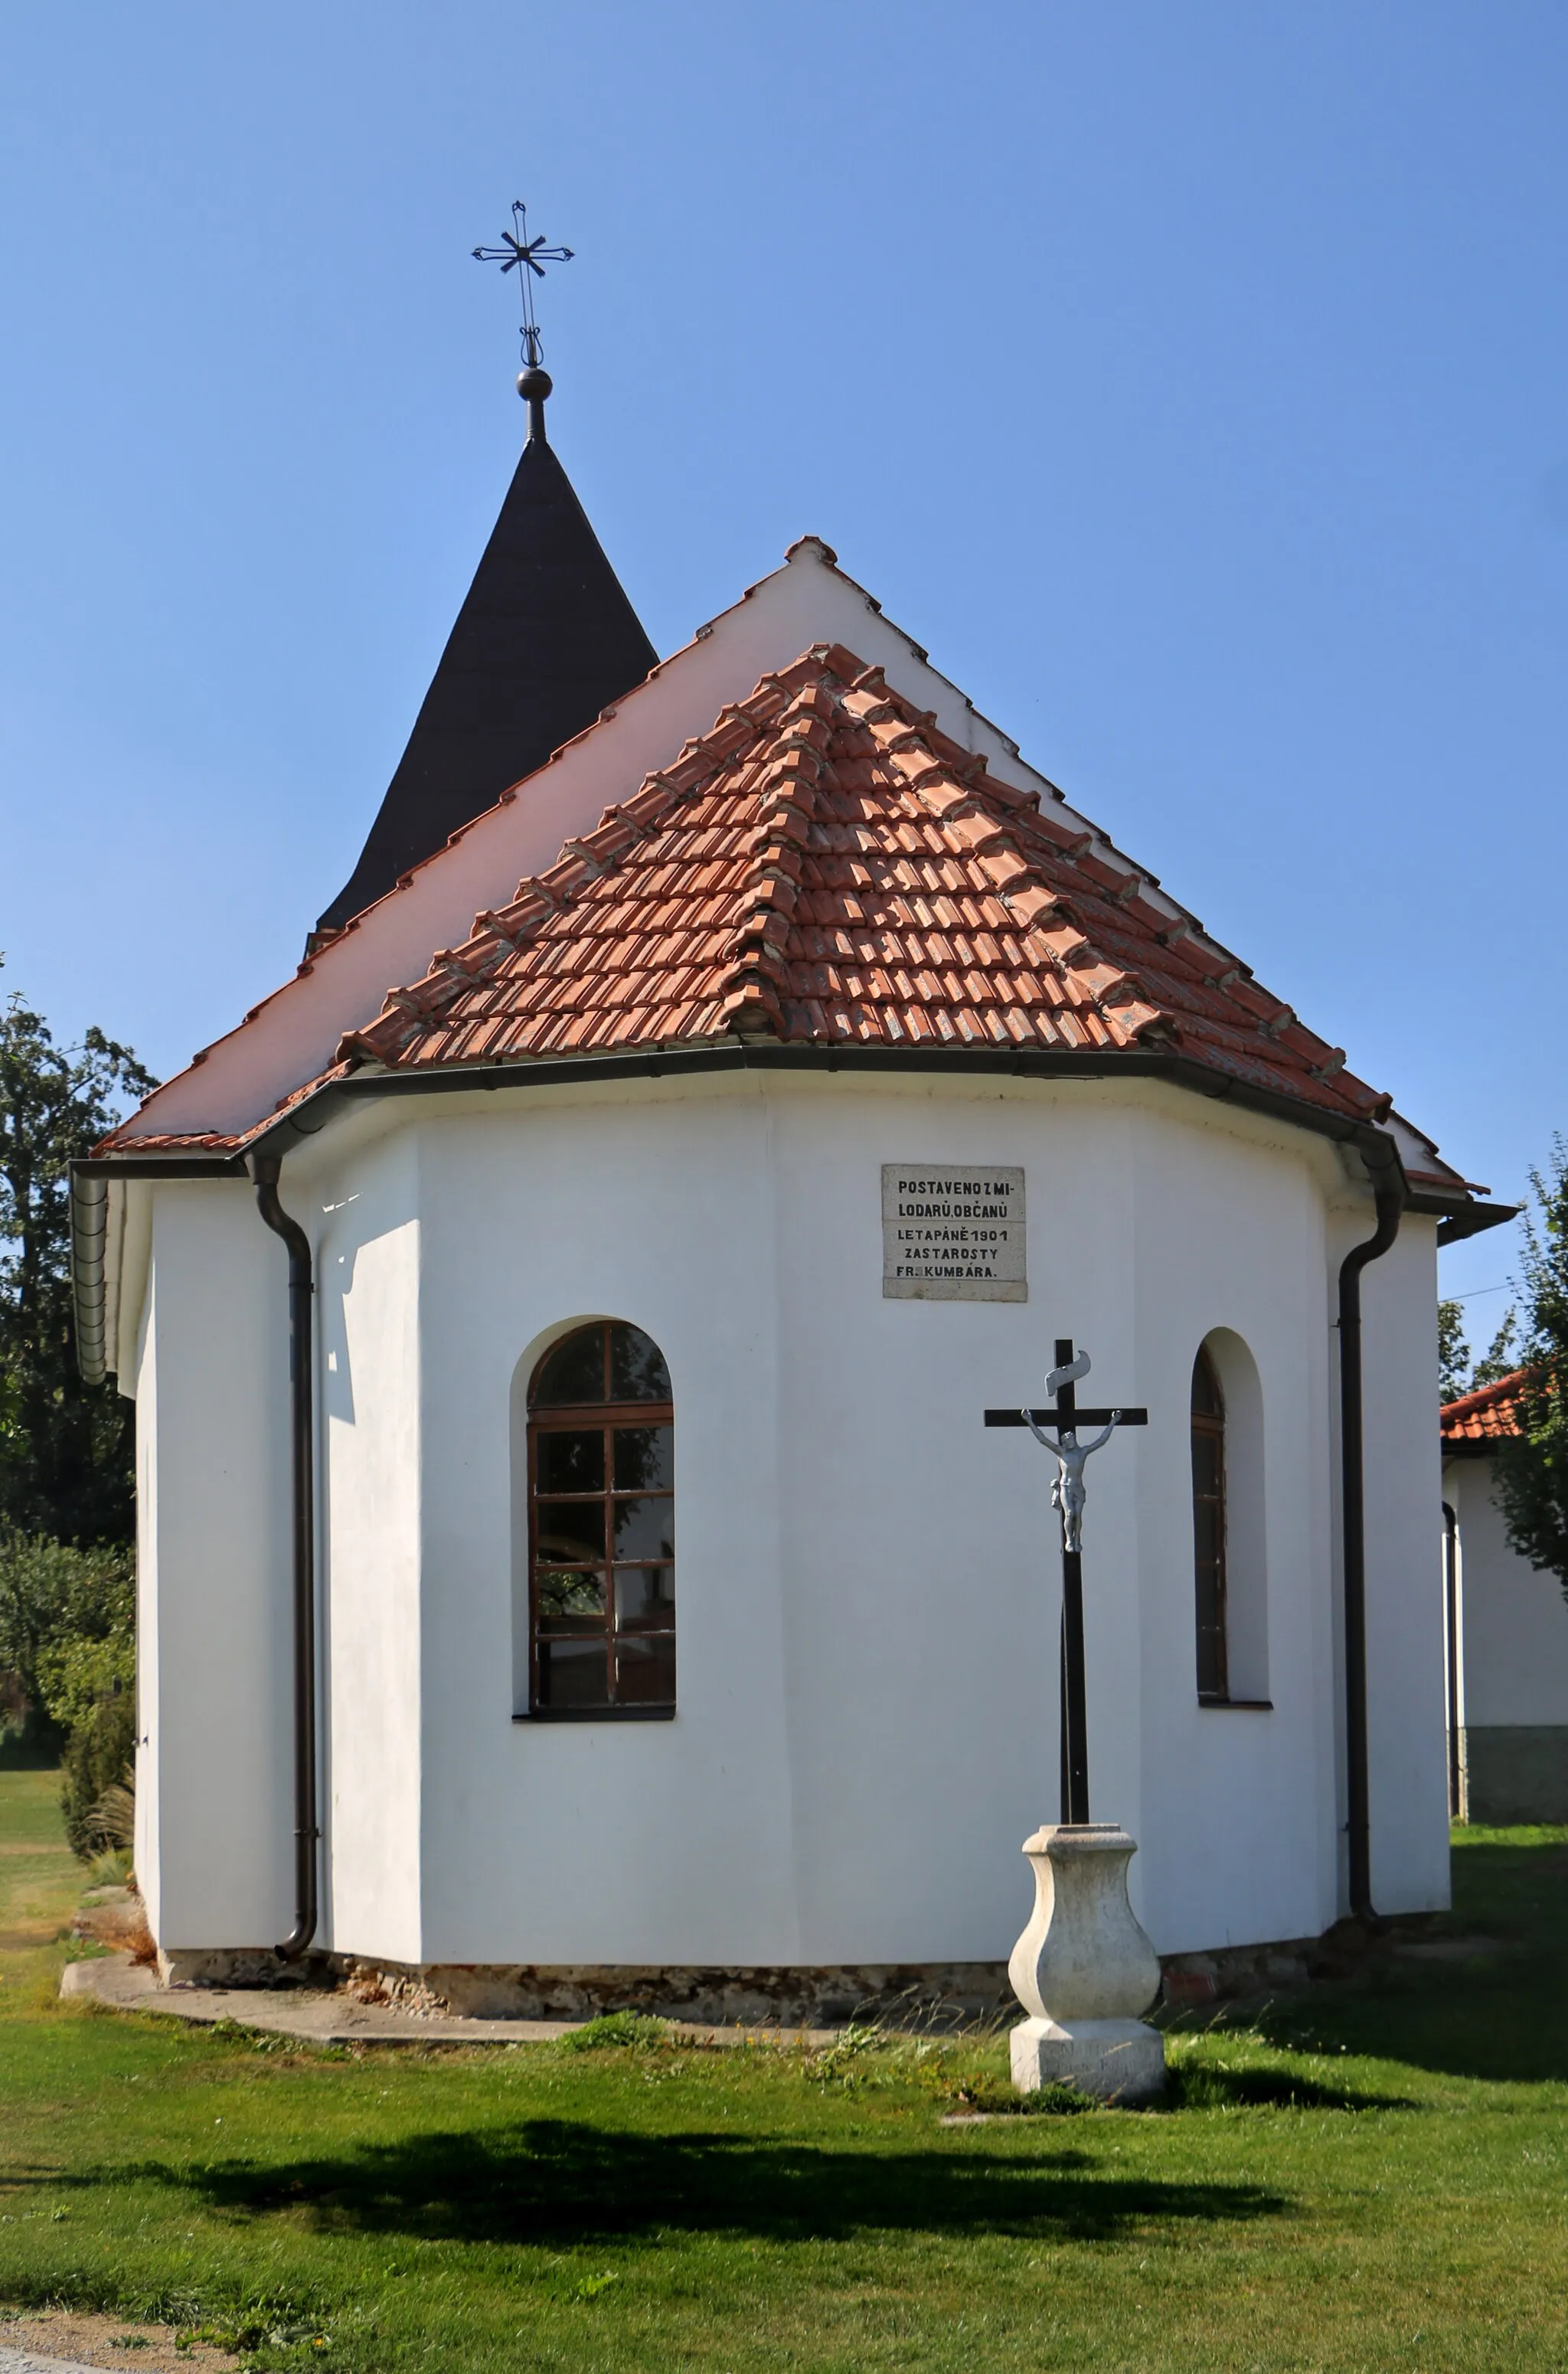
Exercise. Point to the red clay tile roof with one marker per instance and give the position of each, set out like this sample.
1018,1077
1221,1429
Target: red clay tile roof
1489,1413
826,867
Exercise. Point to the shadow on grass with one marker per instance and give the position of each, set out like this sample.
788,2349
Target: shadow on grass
560,2181
1493,2017
1206,2086
35,1749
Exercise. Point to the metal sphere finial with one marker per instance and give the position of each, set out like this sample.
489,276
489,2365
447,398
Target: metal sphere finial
534,384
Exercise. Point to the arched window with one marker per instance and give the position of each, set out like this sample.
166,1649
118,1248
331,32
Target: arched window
602,1526
1209,1527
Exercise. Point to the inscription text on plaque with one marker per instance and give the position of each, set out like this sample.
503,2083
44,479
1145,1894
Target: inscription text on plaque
951,1234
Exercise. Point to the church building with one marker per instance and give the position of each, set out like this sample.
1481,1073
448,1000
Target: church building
574,1567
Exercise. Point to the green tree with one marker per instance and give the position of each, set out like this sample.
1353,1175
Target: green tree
64,1445
1453,1352
1531,1468
1456,1374
68,1633
1502,1356
52,1596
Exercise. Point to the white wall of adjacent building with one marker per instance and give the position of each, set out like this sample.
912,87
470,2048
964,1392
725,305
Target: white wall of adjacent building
1512,1674
867,1578
1514,1619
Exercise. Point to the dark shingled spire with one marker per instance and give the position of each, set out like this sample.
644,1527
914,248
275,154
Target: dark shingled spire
545,640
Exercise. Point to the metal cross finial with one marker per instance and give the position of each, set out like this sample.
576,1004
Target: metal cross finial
528,258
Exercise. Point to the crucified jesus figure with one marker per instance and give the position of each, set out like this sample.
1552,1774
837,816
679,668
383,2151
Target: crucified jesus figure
1068,1493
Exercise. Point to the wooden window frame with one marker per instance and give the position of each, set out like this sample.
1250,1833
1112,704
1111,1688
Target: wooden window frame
586,1418
1211,1427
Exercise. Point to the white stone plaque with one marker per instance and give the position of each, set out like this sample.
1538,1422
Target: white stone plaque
951,1234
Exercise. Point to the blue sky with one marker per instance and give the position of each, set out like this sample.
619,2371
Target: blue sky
1190,379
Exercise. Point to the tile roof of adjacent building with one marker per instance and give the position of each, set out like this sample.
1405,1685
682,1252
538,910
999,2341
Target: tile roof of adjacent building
827,868
1490,1414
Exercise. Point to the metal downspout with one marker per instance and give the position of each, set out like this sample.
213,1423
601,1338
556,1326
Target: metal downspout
1382,1160
265,1169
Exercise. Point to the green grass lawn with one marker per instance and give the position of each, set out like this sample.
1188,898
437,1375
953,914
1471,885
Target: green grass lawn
1372,2178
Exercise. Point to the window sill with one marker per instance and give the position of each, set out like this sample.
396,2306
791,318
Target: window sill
1238,1706
597,1714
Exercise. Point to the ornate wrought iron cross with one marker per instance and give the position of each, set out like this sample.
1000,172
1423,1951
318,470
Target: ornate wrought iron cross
1068,1496
527,257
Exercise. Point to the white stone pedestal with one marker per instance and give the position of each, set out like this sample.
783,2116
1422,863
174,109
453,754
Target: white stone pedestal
1120,2061
1083,1970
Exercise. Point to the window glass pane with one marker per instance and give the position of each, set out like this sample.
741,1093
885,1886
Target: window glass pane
1211,1663
573,1370
572,1463
645,1671
573,1673
569,1598
645,1529
570,1529
597,1508
645,1596
637,1366
1208,1551
645,1458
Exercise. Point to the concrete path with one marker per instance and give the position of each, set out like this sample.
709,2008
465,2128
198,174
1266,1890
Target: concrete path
316,2016
66,2341
22,2361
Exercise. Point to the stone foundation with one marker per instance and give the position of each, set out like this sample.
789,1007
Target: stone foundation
827,1995
236,1966
824,1996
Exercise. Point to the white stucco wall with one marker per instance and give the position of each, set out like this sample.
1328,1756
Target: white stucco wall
1515,1621
1231,1234
368,1505
143,1381
1406,1695
563,1842
215,1812
867,1578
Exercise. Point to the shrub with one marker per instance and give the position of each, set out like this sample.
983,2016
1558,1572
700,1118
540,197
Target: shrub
98,1753
68,1634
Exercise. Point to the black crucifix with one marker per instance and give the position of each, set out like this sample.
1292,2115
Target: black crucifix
1068,1496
